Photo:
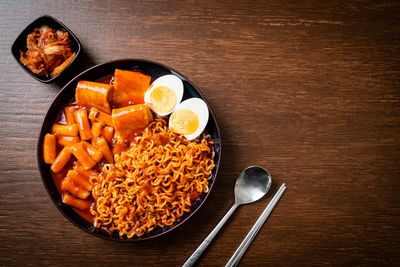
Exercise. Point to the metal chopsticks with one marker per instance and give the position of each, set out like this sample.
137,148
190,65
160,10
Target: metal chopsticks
237,256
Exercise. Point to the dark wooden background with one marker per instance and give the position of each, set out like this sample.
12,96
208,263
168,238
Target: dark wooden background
309,90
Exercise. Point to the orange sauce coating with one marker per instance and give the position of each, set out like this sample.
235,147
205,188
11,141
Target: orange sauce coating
116,147
117,136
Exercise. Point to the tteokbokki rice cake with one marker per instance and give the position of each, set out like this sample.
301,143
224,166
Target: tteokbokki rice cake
128,155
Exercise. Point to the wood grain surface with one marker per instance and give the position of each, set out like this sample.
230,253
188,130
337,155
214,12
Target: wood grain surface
308,89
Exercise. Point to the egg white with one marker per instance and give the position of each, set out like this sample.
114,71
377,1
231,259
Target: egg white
170,81
199,107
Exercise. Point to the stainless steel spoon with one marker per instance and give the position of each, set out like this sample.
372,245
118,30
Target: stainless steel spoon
251,185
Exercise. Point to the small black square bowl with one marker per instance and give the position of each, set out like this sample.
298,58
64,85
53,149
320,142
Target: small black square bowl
20,44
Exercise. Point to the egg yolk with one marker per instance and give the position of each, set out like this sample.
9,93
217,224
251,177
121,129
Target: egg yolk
184,121
163,99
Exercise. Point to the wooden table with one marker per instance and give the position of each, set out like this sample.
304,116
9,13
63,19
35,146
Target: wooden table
310,91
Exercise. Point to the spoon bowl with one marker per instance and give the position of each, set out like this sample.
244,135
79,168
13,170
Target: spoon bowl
252,184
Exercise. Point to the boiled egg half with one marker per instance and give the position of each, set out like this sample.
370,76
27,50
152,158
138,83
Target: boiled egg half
164,94
189,118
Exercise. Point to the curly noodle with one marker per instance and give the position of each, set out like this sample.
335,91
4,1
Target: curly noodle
153,183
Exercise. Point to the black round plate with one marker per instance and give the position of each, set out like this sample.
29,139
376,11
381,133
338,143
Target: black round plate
66,94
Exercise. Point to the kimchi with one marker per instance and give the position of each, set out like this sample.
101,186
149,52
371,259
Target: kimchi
49,52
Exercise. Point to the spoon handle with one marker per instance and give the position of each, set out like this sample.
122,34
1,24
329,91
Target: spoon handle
237,256
196,255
